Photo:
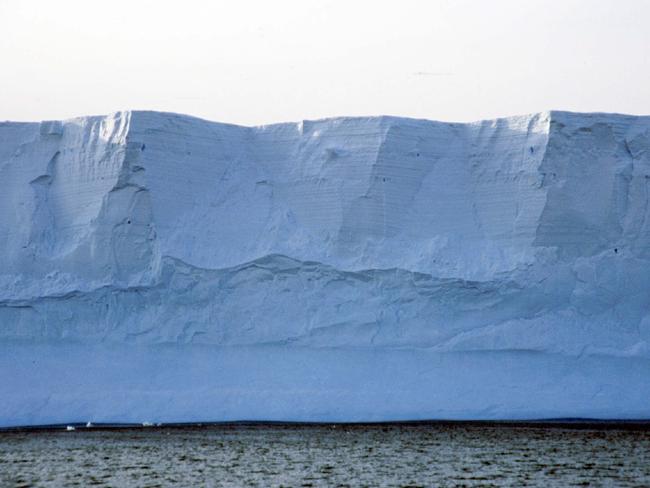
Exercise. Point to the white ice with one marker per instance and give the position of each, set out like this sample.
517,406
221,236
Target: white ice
343,269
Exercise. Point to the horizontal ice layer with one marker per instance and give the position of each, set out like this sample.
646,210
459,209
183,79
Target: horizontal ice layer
146,384
521,235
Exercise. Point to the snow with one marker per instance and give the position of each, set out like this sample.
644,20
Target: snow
156,267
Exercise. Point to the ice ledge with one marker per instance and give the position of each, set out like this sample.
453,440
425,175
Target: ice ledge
283,301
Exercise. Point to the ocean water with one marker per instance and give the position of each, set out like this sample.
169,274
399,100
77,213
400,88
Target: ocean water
399,455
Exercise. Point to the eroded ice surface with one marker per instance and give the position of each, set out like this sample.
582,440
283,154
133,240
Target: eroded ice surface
498,269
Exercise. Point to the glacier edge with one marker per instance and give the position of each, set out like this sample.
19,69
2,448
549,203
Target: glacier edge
523,240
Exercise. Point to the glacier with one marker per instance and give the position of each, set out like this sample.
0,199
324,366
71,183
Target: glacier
157,267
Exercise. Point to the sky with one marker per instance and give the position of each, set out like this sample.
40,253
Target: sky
260,61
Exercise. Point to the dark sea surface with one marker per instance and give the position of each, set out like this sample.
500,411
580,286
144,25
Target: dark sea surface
264,455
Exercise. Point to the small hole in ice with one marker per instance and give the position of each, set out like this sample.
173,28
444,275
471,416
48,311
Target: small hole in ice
128,221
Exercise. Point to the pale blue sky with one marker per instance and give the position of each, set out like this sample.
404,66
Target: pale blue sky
256,61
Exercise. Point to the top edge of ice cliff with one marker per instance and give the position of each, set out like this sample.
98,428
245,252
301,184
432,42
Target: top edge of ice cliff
551,114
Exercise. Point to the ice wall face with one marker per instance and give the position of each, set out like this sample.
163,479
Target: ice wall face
67,190
523,240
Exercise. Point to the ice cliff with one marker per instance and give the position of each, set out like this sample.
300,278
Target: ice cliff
158,267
